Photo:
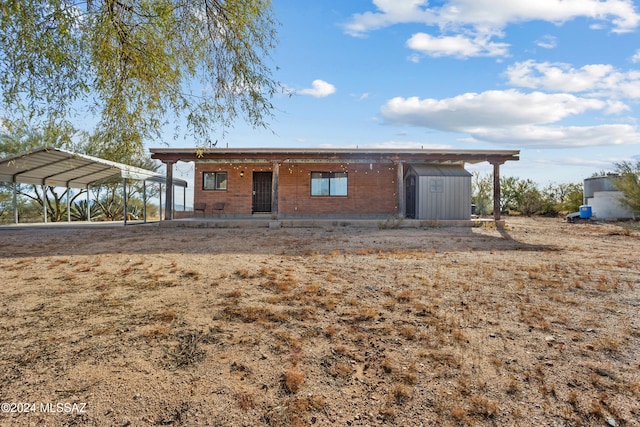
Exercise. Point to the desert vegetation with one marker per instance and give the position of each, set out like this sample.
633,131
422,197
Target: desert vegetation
532,325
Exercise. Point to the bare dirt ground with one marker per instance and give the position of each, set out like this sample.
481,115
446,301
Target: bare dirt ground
534,325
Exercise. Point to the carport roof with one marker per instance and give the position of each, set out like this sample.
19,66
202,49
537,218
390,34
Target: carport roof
61,168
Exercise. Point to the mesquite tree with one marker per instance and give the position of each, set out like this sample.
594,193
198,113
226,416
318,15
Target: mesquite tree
136,63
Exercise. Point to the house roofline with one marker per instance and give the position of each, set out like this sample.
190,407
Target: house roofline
283,154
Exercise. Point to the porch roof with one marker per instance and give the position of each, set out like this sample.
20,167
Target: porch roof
332,155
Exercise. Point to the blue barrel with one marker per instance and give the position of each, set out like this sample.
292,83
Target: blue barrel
585,211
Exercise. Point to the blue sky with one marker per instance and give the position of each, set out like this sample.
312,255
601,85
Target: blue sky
558,80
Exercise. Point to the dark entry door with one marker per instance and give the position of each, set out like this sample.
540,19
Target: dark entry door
261,192
410,193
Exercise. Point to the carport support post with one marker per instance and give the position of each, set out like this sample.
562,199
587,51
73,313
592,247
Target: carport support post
88,204
168,203
496,191
402,209
144,200
44,202
15,202
68,204
124,191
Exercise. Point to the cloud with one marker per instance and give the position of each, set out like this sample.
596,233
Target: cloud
468,27
547,42
319,89
636,57
496,14
460,46
512,118
390,12
594,79
561,136
491,108
360,96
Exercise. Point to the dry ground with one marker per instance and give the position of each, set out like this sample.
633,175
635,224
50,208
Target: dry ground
534,325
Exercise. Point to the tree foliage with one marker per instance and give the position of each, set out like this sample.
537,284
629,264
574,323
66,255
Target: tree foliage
134,62
628,183
481,189
524,196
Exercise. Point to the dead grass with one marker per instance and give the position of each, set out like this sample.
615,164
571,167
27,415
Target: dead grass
535,325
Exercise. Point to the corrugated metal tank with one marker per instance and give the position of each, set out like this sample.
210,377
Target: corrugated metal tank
598,183
443,192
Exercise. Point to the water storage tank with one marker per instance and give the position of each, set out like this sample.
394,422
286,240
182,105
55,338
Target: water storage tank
597,184
585,211
601,194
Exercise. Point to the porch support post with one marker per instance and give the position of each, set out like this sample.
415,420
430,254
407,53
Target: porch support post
275,179
402,208
160,198
496,191
168,203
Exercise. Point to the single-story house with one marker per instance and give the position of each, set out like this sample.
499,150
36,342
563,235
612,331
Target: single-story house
333,183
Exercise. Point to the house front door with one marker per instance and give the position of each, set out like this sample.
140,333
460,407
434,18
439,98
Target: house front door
261,192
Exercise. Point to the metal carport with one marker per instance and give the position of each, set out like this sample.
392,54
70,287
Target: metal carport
49,166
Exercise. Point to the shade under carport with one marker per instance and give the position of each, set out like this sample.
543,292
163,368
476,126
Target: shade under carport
49,166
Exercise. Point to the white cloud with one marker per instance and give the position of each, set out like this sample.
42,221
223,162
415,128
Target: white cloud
547,42
561,136
512,118
494,14
319,89
636,57
390,12
469,111
594,79
459,46
468,27
499,13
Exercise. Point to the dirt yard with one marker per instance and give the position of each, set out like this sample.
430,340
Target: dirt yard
534,325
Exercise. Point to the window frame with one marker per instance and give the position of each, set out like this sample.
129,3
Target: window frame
325,180
216,181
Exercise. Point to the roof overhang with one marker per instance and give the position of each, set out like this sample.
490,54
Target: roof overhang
61,168
333,155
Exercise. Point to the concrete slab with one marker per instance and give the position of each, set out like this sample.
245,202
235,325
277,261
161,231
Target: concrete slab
326,223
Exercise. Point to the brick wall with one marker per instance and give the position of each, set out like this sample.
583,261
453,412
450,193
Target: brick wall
237,197
371,189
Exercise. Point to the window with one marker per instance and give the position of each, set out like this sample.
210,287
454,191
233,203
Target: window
214,181
329,183
437,185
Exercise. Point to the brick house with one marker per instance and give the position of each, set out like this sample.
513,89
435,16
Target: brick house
316,183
